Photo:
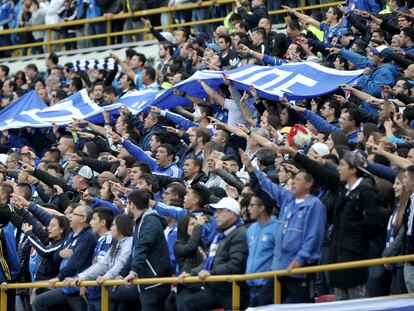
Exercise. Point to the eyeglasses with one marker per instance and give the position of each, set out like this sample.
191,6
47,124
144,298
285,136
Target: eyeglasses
80,215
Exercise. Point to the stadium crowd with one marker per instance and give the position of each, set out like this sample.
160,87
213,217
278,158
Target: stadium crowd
232,184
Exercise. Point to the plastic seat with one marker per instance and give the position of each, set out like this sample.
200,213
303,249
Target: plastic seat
325,298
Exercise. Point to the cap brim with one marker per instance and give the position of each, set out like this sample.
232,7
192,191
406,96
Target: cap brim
217,206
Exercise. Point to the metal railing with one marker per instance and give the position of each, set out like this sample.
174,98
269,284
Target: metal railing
145,13
219,278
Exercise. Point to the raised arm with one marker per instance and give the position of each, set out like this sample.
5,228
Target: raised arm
307,19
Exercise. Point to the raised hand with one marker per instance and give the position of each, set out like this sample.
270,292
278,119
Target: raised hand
246,160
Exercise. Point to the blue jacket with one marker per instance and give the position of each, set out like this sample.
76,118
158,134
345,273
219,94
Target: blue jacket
209,228
301,229
6,12
371,83
261,242
180,120
139,154
273,61
101,248
324,126
364,5
83,246
98,202
93,10
12,255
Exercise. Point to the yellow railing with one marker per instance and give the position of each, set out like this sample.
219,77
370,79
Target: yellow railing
144,13
219,278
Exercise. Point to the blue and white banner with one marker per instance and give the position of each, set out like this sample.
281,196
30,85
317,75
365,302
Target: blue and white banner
136,101
367,304
76,106
294,81
17,114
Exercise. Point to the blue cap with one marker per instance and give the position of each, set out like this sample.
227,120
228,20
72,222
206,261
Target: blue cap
214,47
343,32
382,50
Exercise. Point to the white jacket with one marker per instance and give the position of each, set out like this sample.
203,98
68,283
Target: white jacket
52,10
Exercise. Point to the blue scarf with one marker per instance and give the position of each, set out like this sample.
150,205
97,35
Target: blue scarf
215,244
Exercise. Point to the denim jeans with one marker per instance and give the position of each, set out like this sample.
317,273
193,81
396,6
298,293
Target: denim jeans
379,281
409,277
94,304
55,298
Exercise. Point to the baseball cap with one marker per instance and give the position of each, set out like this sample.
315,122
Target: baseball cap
82,170
228,203
380,50
320,148
357,159
343,32
214,47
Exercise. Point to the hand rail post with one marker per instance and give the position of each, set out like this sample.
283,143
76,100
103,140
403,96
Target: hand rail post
170,20
235,296
108,31
302,4
104,298
3,300
277,291
49,39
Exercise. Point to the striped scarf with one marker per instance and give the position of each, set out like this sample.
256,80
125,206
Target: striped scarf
216,242
3,254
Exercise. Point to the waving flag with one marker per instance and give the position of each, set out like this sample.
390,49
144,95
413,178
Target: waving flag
77,106
294,81
136,101
18,113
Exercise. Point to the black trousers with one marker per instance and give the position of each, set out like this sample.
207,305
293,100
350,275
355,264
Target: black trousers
212,299
293,290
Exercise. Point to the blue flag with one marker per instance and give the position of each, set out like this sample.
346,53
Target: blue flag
76,106
18,114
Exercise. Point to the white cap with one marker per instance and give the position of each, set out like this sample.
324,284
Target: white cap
228,203
320,148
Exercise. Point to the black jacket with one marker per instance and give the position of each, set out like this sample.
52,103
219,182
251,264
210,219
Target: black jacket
150,256
189,254
231,258
253,19
356,221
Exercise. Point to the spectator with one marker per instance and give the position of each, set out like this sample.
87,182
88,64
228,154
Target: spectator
76,252
230,258
149,251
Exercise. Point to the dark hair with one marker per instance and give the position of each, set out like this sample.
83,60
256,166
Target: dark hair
54,58
337,12
125,226
178,188
170,149
26,190
268,207
202,132
106,214
261,31
110,90
142,58
32,66
294,24
235,17
140,198
244,25
63,224
226,38
182,227
266,156
6,69
77,83
229,157
5,214
167,46
203,194
150,72
196,161
144,167
380,32
408,32
336,106
151,180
